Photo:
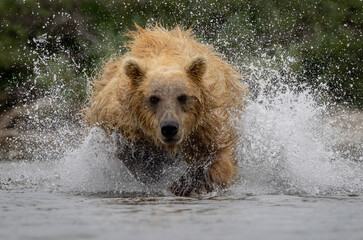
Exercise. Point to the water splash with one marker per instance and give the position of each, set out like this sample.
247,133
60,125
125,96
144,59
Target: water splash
290,143
93,167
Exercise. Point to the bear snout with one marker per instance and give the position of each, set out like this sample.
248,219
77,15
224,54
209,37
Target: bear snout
169,129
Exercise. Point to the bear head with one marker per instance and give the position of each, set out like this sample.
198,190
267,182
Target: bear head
167,101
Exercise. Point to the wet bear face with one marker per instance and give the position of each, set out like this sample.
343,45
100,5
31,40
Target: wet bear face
169,100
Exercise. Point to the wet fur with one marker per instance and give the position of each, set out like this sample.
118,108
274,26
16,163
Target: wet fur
208,144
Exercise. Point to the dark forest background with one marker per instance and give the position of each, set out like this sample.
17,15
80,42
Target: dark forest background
48,43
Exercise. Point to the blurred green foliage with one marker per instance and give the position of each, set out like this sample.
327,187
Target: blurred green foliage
324,37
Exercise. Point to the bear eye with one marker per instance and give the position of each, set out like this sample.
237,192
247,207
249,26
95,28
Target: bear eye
154,99
182,99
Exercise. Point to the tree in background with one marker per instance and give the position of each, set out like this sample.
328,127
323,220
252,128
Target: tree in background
47,45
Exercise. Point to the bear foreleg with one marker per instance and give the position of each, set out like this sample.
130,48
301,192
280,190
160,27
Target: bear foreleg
223,172
206,176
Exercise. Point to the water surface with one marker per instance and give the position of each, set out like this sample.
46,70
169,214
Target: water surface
47,215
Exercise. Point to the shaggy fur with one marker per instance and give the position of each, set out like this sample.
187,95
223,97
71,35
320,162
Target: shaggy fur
157,58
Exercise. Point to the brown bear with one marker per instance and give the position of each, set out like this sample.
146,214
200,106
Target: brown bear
171,96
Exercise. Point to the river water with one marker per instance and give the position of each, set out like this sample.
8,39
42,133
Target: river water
301,164
49,215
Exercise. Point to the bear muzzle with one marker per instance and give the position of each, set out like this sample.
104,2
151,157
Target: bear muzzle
169,131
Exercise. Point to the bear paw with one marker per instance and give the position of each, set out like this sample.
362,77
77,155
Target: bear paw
195,182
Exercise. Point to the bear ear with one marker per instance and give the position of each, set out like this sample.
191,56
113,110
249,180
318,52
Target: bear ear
197,68
133,70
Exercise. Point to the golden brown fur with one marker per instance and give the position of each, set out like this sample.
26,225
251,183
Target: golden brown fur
161,61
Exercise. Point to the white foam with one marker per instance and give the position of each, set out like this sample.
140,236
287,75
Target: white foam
288,145
92,167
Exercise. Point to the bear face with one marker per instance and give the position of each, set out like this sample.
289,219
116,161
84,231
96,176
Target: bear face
169,99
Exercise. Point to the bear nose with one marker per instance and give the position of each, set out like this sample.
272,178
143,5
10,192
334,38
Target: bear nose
169,128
